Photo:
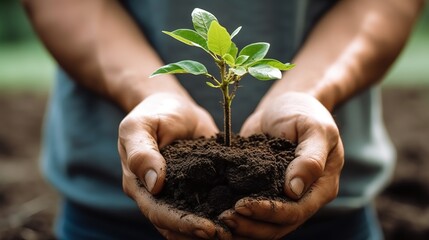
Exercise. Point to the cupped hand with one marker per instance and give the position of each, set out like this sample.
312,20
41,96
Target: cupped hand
312,178
157,121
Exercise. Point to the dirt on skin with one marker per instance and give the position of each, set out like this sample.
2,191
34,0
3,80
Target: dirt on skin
206,177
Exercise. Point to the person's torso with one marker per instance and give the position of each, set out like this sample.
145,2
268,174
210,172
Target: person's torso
80,154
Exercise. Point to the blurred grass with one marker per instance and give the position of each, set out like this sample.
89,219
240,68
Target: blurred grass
411,69
26,65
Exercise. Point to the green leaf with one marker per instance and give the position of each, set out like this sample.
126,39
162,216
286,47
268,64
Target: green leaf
239,71
241,59
274,63
201,20
265,72
229,59
212,85
233,50
189,37
236,31
185,66
255,51
218,39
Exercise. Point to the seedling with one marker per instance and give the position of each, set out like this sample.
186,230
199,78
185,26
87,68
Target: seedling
215,40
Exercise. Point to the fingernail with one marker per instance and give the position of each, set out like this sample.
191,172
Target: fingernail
201,234
244,211
297,186
150,179
230,223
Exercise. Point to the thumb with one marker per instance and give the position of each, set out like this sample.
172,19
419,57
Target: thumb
140,156
145,161
306,168
252,125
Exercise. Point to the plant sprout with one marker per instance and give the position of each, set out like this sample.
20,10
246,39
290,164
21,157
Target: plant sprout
215,40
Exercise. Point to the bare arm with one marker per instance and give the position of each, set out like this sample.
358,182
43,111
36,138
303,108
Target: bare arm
100,46
350,49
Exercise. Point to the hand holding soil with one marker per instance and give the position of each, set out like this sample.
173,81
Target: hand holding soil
162,118
319,160
157,121
302,119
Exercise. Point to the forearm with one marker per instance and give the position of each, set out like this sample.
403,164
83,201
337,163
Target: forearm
350,49
100,46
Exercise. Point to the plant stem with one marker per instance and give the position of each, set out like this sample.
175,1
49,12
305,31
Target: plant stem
227,116
226,105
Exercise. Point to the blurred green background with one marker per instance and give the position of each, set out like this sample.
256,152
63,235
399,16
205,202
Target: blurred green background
25,64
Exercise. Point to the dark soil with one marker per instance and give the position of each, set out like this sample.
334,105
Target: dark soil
206,178
28,205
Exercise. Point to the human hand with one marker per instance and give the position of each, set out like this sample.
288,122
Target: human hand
154,123
319,159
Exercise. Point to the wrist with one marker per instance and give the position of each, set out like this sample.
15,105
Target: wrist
132,87
329,86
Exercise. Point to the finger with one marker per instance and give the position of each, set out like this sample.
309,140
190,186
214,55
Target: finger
251,125
314,146
137,140
173,235
168,234
246,228
165,217
335,161
322,191
276,212
128,178
326,188
222,233
303,171
206,126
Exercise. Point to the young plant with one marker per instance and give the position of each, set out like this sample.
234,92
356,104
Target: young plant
215,40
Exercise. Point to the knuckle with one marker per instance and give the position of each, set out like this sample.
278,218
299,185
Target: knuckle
146,122
126,123
135,160
315,166
332,130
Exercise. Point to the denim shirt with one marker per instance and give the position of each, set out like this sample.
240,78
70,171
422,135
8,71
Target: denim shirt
80,155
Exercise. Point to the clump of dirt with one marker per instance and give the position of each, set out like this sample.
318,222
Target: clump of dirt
206,178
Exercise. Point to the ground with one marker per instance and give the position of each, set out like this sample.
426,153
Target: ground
28,204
